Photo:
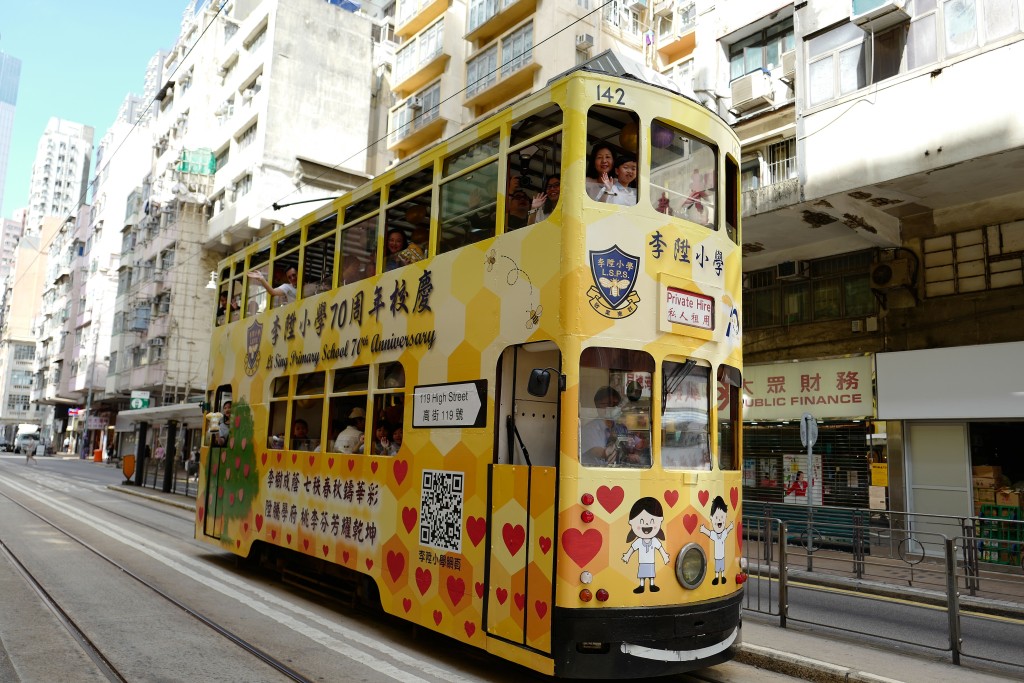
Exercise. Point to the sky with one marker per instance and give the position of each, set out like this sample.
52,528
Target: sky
78,62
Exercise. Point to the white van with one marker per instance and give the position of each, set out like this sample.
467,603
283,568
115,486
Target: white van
27,438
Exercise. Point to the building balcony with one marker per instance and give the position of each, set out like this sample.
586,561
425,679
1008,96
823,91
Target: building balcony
416,123
412,15
511,80
678,41
482,29
420,61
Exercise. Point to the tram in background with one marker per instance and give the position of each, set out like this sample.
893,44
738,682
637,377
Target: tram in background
514,420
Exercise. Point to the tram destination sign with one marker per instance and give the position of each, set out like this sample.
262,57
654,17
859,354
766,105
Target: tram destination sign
450,405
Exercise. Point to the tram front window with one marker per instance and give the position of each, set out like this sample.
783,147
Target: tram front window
615,408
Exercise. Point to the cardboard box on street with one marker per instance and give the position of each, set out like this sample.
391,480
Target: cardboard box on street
1008,497
993,471
984,482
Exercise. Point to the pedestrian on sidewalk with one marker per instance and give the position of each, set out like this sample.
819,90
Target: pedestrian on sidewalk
30,454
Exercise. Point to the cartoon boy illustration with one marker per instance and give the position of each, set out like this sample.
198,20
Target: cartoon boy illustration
645,536
718,536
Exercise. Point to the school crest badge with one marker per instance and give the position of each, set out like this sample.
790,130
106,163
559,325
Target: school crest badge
253,337
614,272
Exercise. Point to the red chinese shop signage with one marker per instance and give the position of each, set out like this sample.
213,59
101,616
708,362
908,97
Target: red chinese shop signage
833,388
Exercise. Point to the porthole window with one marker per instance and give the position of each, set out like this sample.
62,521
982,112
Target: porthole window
691,566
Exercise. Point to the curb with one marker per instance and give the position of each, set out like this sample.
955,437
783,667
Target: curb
804,667
120,488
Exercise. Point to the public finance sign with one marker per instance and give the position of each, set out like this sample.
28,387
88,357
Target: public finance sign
833,388
450,405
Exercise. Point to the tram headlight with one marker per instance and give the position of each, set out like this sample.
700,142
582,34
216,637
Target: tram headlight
691,565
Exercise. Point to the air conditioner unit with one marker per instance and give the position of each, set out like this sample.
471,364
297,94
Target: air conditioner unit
877,15
584,41
156,341
158,276
752,91
791,270
415,103
891,274
789,66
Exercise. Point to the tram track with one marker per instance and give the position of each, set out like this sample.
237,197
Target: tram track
107,668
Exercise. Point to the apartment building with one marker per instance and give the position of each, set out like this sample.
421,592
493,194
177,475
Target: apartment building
264,108
60,172
10,75
883,243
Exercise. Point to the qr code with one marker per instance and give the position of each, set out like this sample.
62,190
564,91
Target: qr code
441,510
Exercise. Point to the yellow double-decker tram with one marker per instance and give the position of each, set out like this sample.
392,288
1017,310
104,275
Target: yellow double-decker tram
499,386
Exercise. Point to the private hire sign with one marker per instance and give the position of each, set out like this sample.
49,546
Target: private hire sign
827,389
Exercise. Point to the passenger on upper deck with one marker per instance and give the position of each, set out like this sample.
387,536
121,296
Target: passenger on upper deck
400,251
287,291
518,210
545,202
620,190
601,164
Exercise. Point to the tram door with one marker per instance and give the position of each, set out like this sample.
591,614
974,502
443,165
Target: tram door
213,520
520,593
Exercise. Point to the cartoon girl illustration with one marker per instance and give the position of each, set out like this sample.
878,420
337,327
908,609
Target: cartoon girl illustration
646,536
718,536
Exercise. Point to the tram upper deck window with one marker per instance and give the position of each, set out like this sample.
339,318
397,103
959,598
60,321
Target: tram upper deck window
318,256
409,213
613,161
358,254
615,407
256,296
683,175
685,413
468,201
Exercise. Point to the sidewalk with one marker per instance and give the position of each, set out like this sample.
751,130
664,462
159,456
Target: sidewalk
813,656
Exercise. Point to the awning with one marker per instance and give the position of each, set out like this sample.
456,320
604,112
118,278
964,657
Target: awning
190,414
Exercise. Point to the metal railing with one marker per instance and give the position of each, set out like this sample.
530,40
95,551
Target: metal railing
970,567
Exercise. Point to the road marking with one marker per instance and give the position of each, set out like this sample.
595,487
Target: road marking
231,586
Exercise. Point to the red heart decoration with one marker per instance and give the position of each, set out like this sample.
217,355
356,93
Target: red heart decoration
245,471
351,465
344,557
396,564
263,458
437,617
305,544
279,457
238,544
502,595
734,496
581,547
423,579
610,498
406,604
326,550
295,458
223,456
245,527
238,463
520,600
220,491
470,628
373,467
231,442
369,564
273,534
545,544
703,496
241,493
288,538
200,513
514,537
401,468
259,521
409,518
456,589
476,527
690,522
311,460
479,589
541,607
671,497
330,462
